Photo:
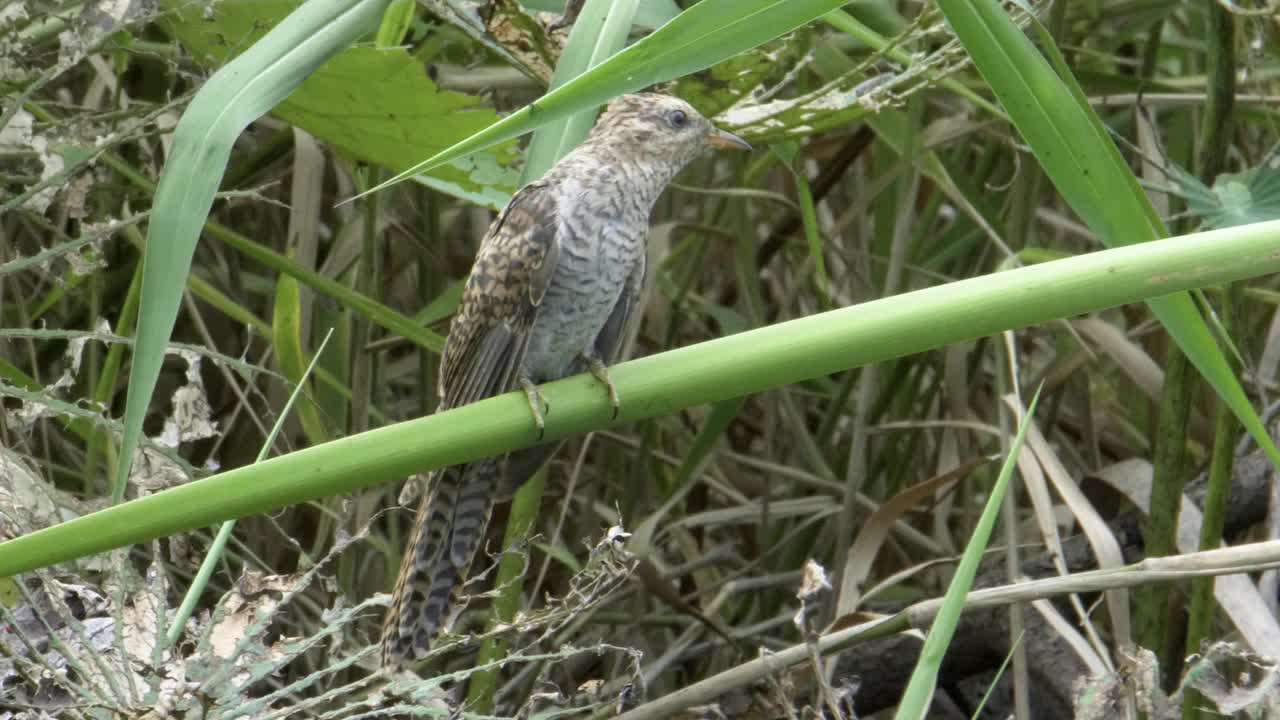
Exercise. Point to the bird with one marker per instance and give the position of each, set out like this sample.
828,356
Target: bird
552,289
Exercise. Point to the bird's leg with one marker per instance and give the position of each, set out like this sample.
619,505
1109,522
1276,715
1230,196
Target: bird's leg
601,372
571,10
535,404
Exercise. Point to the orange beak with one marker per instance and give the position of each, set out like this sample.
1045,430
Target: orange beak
721,139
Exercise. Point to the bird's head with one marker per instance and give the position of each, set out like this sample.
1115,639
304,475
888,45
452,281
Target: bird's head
660,127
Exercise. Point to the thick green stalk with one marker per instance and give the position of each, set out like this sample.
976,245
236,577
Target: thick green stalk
1160,531
106,384
1220,69
1202,604
1152,604
728,367
1220,89
510,579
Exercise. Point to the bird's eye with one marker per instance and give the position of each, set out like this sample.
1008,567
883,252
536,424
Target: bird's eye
677,118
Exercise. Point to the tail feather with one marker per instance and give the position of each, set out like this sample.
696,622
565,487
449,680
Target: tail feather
446,536
470,516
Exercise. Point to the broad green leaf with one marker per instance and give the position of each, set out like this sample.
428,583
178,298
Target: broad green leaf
1235,198
378,105
918,696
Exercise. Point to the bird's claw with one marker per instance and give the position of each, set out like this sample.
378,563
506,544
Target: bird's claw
535,403
601,372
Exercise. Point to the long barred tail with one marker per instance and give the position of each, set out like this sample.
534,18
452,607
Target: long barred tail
446,535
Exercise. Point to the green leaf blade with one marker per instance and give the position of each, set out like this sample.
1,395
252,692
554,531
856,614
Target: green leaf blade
1085,165
696,39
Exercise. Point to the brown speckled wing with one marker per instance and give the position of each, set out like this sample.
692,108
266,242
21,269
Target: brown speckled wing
490,333
482,357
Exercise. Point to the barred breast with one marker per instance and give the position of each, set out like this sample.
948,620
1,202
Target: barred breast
595,260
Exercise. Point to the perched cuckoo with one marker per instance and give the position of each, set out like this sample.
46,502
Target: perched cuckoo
550,294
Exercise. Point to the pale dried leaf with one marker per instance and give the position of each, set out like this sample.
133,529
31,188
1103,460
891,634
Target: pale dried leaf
153,471
17,135
77,200
1152,172
1128,355
192,416
26,502
41,404
255,596
141,632
11,13
75,351
413,489
51,165
1270,362
1256,690
524,36
1096,663
1105,546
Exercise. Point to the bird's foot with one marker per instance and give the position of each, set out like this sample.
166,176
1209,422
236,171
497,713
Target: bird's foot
601,373
535,405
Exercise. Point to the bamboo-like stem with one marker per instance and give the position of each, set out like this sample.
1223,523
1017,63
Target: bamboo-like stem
727,367
1220,69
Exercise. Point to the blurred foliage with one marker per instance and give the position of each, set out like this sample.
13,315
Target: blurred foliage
900,173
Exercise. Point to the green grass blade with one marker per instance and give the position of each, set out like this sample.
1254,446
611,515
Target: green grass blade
697,38
596,35
240,92
1084,164
395,23
924,679
728,367
214,554
405,327
789,151
286,338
